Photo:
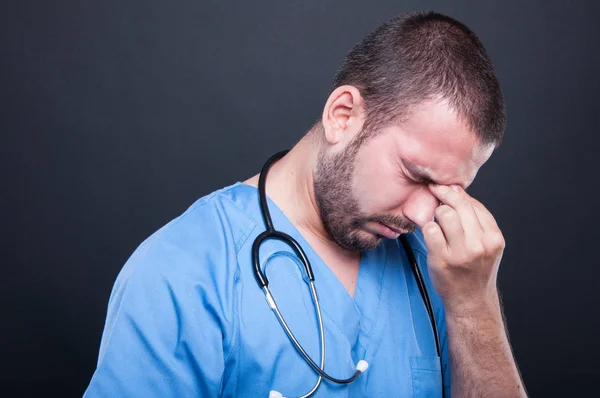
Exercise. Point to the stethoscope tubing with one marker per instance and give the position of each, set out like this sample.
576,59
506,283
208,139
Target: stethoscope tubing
263,282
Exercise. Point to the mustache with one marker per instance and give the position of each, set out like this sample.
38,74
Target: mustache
396,222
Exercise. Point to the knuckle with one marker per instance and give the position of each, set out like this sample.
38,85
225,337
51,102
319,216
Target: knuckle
461,262
475,250
496,241
465,205
444,211
453,197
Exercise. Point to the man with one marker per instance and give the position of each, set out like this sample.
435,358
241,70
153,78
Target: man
413,113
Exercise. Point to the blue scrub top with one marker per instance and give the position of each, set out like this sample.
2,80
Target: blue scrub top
186,317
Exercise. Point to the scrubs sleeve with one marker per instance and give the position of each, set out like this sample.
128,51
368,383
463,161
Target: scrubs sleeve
169,327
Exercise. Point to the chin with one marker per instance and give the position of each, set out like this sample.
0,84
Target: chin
369,240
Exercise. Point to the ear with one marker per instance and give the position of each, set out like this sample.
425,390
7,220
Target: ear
343,115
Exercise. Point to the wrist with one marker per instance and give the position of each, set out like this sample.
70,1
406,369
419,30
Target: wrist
478,324
476,308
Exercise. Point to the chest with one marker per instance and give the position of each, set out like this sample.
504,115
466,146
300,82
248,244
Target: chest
346,270
345,266
377,325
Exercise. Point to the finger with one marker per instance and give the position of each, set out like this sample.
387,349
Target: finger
487,220
435,239
450,224
459,200
493,237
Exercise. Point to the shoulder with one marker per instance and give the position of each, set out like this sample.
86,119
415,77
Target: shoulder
202,242
221,218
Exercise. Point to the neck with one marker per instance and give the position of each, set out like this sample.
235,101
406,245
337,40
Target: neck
290,185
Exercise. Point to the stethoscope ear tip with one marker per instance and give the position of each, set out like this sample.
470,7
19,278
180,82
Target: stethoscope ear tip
275,394
362,366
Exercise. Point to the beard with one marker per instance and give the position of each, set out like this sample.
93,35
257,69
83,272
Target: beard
339,208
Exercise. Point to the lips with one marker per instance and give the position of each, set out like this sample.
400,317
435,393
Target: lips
387,231
396,230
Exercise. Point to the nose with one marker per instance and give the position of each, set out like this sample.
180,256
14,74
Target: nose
420,206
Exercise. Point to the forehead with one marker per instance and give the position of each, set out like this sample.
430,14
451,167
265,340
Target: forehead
438,143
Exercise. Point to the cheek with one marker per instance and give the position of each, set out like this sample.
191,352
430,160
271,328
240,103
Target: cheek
380,189
390,197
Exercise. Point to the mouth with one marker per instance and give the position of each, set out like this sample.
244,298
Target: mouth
388,231
396,230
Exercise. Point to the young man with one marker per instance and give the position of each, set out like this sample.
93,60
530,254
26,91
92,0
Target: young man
414,112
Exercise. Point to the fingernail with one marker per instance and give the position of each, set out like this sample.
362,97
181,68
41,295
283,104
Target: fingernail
455,188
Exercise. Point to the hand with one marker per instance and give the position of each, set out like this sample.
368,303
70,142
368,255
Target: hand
465,247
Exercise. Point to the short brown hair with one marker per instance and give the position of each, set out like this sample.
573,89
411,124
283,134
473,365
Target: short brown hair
418,56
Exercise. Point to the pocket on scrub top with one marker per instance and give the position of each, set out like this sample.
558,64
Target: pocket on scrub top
426,375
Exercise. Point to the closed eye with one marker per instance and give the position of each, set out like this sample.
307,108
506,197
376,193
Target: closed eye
423,181
416,174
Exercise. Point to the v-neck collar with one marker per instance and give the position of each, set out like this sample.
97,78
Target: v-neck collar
354,317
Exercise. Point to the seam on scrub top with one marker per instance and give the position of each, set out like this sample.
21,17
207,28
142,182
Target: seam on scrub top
243,238
239,243
202,201
241,209
235,335
377,317
326,315
232,343
238,280
238,285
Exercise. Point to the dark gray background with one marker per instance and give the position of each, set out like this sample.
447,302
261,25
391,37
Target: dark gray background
116,116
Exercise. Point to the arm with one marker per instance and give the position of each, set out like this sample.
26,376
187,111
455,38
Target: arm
465,247
482,362
163,336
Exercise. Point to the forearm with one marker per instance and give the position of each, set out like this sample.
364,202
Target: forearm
482,363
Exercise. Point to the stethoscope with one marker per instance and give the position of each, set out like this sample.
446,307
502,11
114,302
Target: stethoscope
263,282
